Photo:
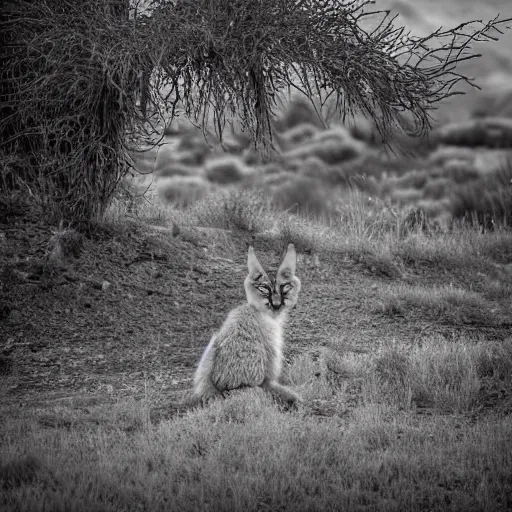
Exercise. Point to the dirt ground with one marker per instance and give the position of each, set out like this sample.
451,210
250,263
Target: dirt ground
131,315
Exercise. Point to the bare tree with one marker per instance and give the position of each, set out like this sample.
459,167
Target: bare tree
218,57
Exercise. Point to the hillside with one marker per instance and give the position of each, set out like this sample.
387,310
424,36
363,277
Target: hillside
105,348
141,303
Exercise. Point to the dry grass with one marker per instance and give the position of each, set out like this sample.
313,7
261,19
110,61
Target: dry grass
441,304
336,452
244,453
246,210
447,375
464,247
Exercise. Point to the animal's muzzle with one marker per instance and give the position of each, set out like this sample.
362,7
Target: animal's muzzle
276,303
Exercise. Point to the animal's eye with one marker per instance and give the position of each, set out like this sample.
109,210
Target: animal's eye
287,287
263,289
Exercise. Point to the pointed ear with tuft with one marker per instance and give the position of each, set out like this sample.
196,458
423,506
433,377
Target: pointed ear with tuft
253,264
290,260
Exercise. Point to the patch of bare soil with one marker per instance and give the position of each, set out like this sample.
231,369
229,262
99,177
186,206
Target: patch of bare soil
131,315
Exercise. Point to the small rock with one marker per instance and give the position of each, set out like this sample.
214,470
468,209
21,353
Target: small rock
5,310
105,285
6,365
175,229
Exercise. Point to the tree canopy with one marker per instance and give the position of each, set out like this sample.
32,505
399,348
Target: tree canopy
217,57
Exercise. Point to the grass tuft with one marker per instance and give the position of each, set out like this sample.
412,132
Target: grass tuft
245,210
448,375
21,471
442,304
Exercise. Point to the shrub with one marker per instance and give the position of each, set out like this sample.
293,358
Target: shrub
494,132
307,236
459,171
305,195
169,155
494,102
365,131
406,196
296,135
329,151
488,201
271,181
246,210
438,188
195,142
434,208
178,169
438,373
337,134
183,190
298,112
225,170
413,179
67,107
444,154
291,164
22,471
313,167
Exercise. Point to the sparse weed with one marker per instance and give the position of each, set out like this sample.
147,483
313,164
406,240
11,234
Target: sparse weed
363,217
246,210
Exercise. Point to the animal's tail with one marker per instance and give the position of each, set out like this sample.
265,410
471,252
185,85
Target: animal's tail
204,388
282,391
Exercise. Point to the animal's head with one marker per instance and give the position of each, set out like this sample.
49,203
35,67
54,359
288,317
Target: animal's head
273,294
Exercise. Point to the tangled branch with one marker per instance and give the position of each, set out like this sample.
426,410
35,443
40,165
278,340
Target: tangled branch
221,57
69,93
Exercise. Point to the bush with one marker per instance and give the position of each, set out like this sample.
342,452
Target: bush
329,151
298,112
246,210
313,167
494,132
338,134
444,154
413,179
406,196
459,172
444,304
178,169
495,102
437,374
488,201
438,188
457,375
69,97
308,196
225,170
169,155
296,135
183,190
